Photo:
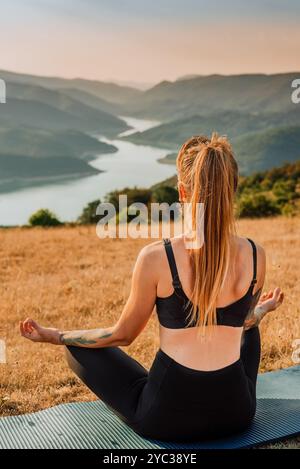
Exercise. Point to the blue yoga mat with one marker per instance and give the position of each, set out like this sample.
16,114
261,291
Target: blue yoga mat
92,425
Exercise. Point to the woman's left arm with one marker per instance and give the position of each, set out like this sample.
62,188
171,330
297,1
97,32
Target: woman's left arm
268,302
132,321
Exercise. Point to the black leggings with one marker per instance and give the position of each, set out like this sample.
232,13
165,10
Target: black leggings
171,401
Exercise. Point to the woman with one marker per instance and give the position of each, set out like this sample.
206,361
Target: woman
199,385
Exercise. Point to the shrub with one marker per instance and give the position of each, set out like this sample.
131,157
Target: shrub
256,205
284,191
288,210
44,217
166,194
133,195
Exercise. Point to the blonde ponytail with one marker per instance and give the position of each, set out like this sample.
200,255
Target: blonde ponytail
208,171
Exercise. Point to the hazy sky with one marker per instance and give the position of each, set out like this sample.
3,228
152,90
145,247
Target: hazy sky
149,40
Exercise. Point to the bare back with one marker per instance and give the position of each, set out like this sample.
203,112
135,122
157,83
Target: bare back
221,345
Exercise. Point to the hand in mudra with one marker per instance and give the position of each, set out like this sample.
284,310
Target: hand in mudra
272,300
266,303
36,333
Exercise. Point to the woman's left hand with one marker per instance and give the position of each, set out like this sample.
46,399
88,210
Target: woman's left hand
272,300
267,302
33,331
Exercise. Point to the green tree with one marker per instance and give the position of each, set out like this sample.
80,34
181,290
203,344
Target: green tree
88,215
44,217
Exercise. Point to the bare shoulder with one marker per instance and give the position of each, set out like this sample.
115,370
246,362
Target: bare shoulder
151,253
243,250
243,243
149,261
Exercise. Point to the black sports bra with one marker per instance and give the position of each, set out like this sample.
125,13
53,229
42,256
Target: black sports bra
173,310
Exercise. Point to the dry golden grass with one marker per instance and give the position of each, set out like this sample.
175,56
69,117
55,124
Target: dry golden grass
69,278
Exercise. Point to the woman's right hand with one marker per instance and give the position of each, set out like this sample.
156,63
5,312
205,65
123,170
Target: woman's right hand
36,333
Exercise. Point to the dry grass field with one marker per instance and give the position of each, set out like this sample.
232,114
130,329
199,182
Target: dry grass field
68,278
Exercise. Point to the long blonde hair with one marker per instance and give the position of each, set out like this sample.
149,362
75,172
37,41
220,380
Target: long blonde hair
208,172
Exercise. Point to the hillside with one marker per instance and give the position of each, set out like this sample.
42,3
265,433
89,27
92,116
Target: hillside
181,98
263,150
17,171
108,91
90,100
31,156
18,112
51,130
36,106
254,151
39,143
214,93
232,123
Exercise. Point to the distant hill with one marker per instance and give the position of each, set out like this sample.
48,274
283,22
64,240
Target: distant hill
263,150
51,129
214,93
90,100
20,171
107,91
232,123
17,112
38,144
31,156
194,95
41,107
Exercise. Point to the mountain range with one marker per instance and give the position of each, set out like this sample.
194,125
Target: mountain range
255,111
47,118
232,123
35,106
47,127
200,95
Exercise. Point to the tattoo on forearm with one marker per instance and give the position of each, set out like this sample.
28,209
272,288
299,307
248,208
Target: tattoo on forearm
259,313
76,341
255,317
105,336
80,339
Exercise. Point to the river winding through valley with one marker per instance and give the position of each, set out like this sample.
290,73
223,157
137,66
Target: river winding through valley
131,165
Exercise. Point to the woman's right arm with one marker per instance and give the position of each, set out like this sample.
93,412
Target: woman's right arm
132,321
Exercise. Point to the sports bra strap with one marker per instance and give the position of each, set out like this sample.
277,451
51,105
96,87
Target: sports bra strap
254,280
172,263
